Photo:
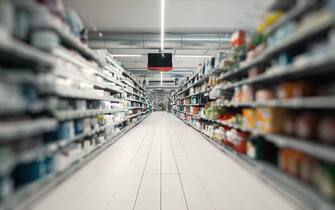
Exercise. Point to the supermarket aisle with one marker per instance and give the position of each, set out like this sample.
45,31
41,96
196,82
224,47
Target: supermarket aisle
163,164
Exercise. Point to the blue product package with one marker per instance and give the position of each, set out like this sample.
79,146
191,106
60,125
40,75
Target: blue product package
49,164
79,126
29,94
285,59
61,133
202,100
28,172
2,183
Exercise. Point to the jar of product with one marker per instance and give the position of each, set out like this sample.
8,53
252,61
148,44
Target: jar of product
306,126
324,179
326,130
307,165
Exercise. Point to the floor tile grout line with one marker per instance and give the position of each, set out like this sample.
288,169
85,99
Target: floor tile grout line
143,173
113,165
126,173
196,174
161,170
180,180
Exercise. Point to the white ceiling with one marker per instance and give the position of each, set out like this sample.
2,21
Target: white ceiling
182,16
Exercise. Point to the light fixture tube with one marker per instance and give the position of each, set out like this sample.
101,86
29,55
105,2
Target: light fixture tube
193,56
126,55
162,24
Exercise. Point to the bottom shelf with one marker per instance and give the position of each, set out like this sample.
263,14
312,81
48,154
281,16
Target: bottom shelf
32,192
298,192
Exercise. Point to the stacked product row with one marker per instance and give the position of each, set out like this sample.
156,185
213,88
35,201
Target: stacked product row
272,98
62,102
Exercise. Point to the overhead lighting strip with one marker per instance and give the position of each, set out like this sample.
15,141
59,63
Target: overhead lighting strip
126,55
193,56
162,24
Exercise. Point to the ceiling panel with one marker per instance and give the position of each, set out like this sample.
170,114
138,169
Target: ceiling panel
181,15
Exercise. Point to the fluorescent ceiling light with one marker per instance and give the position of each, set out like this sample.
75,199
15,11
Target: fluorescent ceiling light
193,56
162,24
126,55
161,78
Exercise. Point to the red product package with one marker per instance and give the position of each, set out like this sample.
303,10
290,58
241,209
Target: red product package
227,140
238,38
240,146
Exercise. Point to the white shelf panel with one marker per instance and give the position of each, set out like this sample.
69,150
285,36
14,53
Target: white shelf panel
71,114
25,128
133,100
322,102
67,39
81,94
15,50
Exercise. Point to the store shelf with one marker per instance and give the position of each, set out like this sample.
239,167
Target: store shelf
18,53
134,115
324,66
132,108
294,189
63,143
132,93
195,94
301,36
132,86
113,70
299,192
133,100
297,39
195,105
201,81
126,73
317,102
243,69
72,114
322,151
188,81
22,108
67,92
106,77
67,39
294,13
20,129
30,193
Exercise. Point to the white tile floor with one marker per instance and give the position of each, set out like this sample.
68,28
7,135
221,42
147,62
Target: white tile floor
163,164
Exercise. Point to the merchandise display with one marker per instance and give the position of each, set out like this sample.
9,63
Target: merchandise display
271,99
63,102
232,108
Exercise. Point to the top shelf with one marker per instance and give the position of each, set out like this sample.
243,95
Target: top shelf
199,82
67,39
126,73
294,13
294,40
14,51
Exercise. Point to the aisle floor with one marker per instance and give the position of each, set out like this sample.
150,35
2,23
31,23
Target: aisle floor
163,164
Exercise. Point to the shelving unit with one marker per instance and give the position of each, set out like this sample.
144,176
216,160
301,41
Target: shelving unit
300,192
35,190
13,50
305,66
70,104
